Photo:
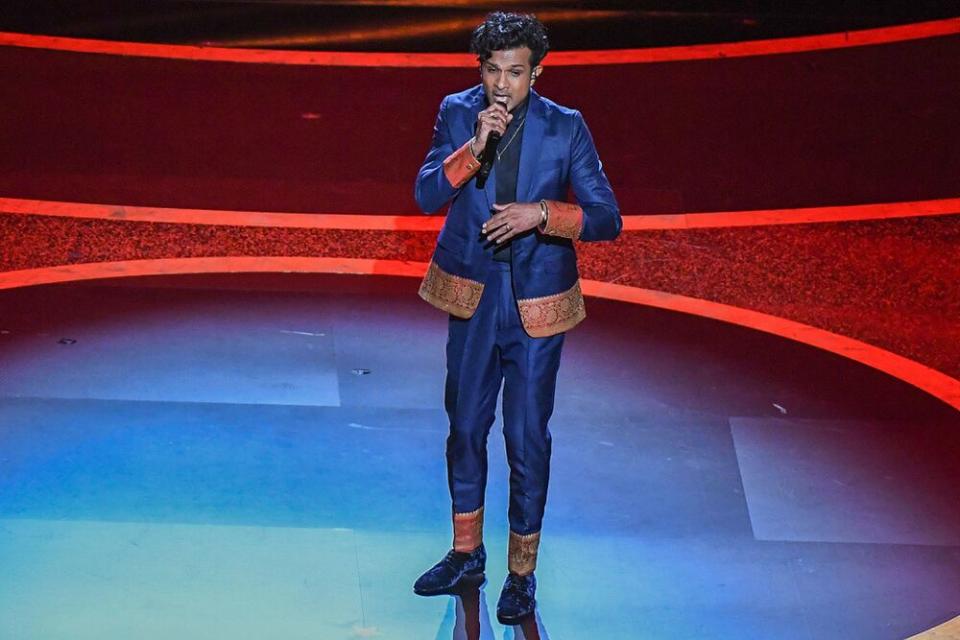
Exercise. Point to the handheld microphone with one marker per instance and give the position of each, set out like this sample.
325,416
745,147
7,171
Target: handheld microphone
489,153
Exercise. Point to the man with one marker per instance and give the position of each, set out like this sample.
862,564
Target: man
505,270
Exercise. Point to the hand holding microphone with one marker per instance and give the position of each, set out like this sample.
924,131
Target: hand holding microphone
493,123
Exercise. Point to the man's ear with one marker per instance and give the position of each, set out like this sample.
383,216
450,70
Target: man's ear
535,74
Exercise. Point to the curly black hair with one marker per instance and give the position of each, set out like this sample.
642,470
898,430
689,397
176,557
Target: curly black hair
502,30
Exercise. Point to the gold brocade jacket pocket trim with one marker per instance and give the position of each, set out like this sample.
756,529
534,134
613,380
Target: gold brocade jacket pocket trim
456,295
550,315
541,317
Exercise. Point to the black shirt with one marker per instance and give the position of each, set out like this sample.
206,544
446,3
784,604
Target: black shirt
508,166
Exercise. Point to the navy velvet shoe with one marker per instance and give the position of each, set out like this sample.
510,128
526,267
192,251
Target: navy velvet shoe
447,574
517,599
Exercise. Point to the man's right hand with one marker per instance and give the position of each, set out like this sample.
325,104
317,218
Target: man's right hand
493,118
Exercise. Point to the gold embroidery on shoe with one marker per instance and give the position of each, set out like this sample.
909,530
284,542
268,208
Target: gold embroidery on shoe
467,530
453,294
522,555
550,315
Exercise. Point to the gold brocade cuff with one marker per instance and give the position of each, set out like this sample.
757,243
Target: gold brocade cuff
460,165
564,219
522,556
467,530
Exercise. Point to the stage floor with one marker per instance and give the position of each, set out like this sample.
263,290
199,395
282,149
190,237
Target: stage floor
262,456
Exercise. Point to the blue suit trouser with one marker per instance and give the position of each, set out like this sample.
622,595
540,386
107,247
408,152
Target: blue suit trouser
484,351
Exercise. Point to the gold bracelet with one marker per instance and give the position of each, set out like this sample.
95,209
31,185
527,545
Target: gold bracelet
476,157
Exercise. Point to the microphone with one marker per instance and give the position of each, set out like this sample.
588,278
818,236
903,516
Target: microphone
489,153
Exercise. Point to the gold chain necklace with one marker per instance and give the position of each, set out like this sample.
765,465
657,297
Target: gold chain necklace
500,152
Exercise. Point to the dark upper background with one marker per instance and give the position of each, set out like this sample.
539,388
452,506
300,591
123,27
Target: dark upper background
817,128
434,25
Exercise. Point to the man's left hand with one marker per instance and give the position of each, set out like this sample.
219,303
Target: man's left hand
510,220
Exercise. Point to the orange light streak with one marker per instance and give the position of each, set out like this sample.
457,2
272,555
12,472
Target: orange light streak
846,39
404,31
929,380
631,223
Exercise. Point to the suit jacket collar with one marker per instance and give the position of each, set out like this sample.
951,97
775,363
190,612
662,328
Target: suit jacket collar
529,153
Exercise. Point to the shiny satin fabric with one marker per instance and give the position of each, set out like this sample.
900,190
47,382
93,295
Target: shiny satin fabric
558,157
489,349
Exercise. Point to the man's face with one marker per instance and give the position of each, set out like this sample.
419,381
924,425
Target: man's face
506,76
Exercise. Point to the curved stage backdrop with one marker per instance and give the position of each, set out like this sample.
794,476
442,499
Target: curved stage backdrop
829,164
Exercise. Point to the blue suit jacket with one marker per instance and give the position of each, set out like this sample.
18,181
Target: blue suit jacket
557,154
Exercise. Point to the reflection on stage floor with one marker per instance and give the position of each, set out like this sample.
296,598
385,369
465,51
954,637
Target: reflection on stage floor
262,456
